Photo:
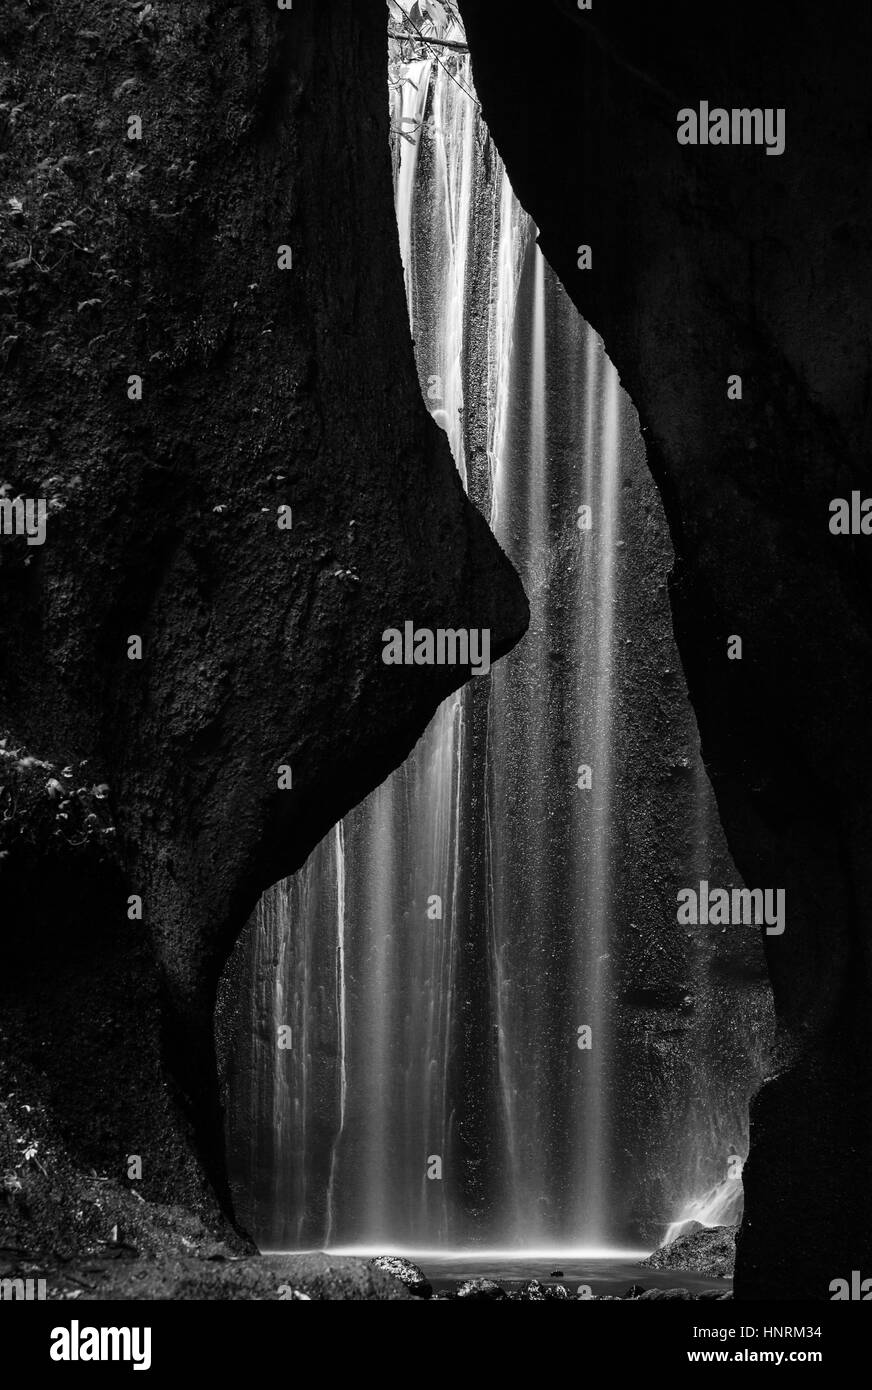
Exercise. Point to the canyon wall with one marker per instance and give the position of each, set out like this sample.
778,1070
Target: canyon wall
159,258
708,262
262,388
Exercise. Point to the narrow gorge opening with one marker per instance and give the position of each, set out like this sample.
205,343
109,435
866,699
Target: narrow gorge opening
472,1020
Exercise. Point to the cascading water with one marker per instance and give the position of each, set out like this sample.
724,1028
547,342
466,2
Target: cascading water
452,963
721,1206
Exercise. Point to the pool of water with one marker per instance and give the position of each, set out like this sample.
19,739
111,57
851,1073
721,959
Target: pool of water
602,1276
612,1273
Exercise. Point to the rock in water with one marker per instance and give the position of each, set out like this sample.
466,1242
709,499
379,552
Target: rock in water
407,1273
480,1288
706,1250
666,1293
534,1292
531,1292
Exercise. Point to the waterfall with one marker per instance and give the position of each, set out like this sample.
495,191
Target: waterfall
453,959
341,1015
721,1206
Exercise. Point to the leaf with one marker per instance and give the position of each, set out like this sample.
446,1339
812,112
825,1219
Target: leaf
439,17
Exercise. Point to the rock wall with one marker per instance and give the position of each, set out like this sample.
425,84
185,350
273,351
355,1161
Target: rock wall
708,262
261,387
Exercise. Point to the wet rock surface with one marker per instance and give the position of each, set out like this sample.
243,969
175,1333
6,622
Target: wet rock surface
408,1274
480,1289
706,1251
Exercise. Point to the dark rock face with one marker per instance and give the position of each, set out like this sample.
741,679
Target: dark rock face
262,647
708,262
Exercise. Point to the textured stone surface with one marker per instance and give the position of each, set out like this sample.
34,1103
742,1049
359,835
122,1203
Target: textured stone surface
217,1276
408,1274
261,647
706,1250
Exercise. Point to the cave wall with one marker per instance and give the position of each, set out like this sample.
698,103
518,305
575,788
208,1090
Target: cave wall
262,647
708,262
